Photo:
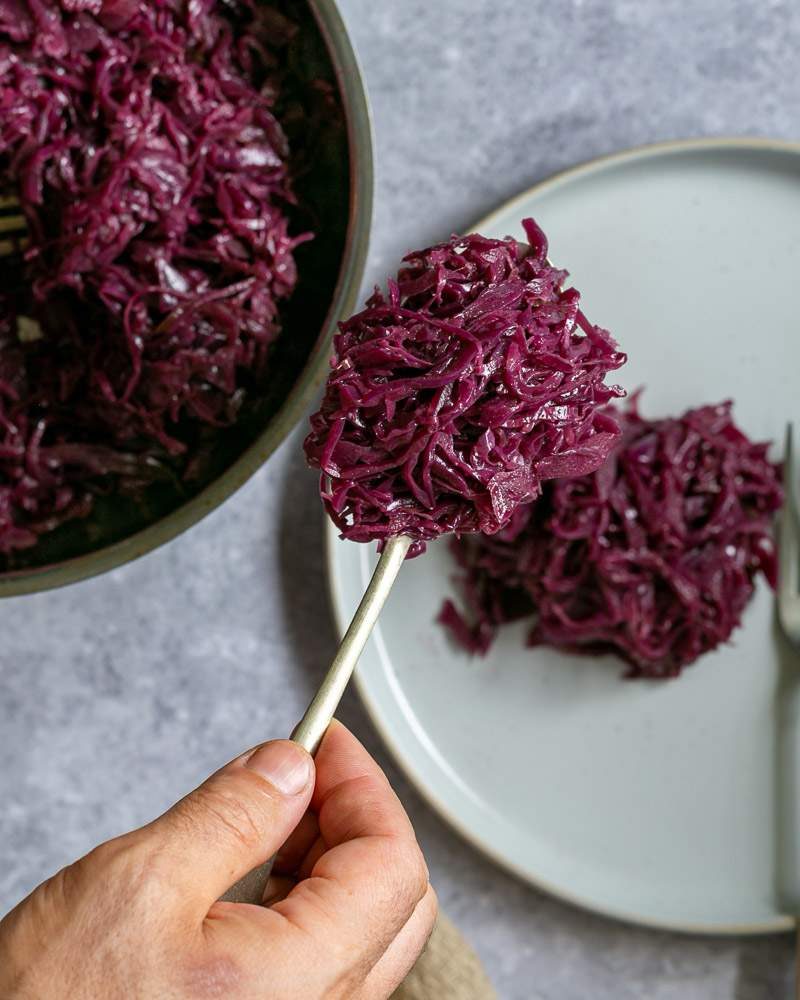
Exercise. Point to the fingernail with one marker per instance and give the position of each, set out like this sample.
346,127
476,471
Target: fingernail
285,765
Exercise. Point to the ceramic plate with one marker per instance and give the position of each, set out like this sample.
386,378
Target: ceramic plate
653,802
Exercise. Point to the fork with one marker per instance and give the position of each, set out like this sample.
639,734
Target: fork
789,549
13,228
319,714
788,602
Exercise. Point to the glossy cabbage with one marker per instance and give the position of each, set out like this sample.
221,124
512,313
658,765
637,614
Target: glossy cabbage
141,140
653,556
453,395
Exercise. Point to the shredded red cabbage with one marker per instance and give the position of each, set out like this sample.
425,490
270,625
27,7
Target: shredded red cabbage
653,556
456,393
140,140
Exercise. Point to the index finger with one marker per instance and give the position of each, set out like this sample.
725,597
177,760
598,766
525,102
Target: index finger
343,767
365,885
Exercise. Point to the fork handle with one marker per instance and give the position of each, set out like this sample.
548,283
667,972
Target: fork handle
311,728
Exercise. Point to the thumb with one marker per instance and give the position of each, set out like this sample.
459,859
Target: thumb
234,821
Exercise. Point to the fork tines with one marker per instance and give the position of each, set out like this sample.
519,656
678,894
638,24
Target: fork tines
789,547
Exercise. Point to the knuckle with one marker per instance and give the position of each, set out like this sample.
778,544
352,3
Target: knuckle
56,891
62,892
103,859
229,815
133,866
68,886
404,874
136,870
415,870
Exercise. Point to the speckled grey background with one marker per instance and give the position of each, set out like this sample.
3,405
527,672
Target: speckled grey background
119,694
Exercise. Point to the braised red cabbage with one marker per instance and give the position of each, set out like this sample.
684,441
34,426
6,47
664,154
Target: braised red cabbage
141,140
653,556
456,392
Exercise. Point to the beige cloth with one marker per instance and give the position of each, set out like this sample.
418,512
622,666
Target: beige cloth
448,969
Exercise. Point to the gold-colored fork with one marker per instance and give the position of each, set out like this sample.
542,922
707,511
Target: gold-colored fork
13,228
319,714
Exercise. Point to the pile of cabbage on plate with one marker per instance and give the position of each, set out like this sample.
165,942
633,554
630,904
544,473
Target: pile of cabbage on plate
653,556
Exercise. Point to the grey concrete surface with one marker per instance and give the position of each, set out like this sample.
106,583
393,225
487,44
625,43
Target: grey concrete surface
119,694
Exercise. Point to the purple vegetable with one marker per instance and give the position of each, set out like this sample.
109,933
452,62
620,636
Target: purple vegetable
141,141
456,393
653,556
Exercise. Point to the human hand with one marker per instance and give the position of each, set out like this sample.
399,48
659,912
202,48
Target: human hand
349,904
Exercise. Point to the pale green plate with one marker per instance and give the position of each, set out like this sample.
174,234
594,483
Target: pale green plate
653,802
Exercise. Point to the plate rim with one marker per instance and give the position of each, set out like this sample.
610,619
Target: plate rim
341,620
